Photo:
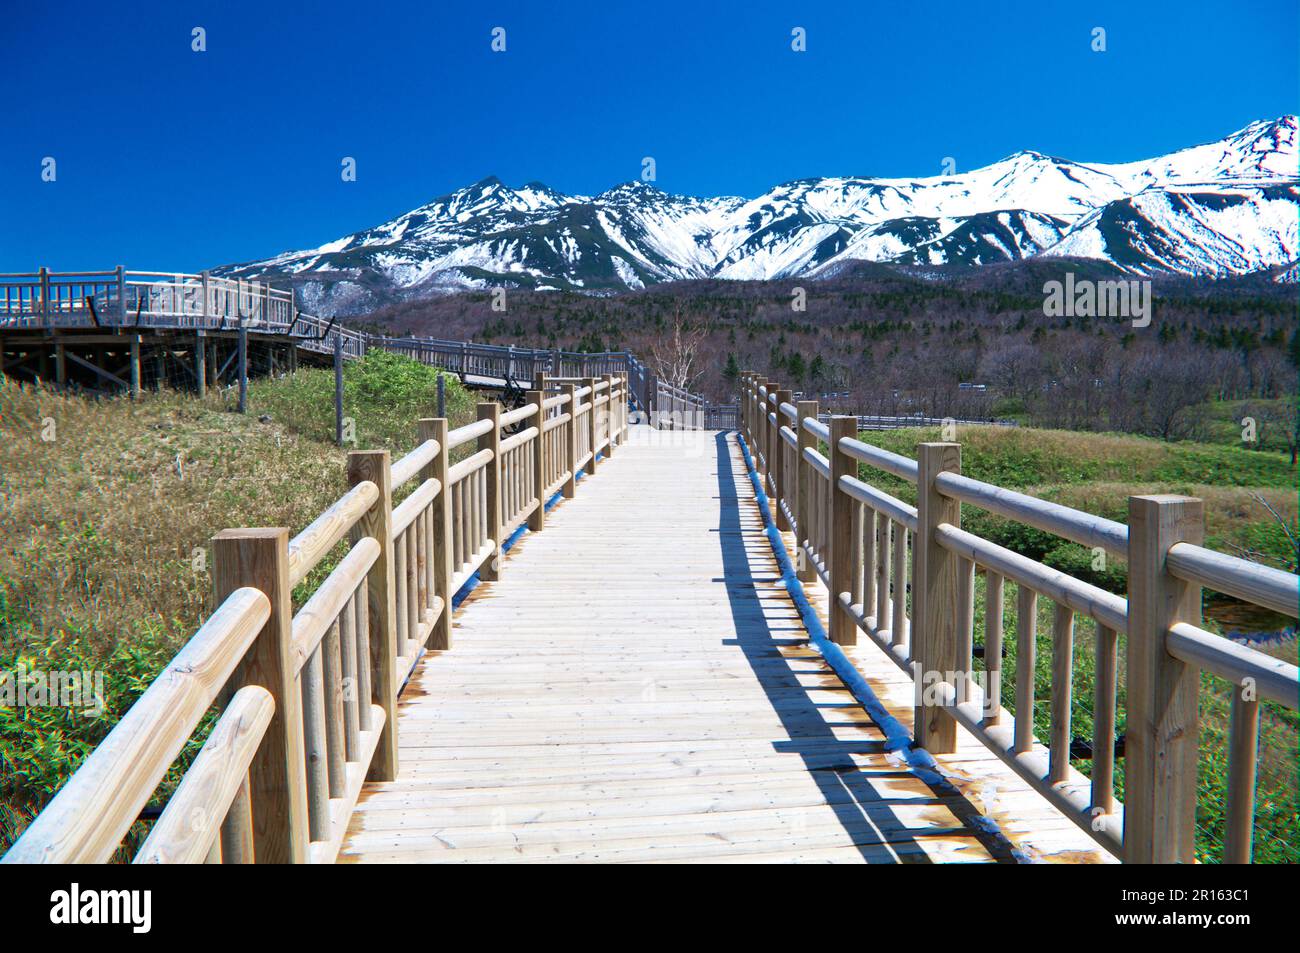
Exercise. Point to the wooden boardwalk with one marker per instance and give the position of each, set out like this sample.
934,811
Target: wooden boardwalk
643,684
638,686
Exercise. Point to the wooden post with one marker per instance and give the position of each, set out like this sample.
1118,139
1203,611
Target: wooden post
1161,737
621,415
760,432
1243,753
537,519
803,479
135,366
781,478
437,429
753,415
373,465
121,296
615,425
743,382
571,441
591,424
60,364
242,370
205,277
45,297
843,629
214,369
755,431
338,389
200,358
935,589
278,775
491,568
611,415
755,434
771,442
742,416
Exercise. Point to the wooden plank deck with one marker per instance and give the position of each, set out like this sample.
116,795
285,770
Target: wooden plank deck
638,686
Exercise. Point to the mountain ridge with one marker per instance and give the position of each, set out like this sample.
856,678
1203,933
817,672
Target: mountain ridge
1216,209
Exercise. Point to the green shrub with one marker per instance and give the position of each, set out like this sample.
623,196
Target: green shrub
41,746
1078,561
98,532
384,395
1025,540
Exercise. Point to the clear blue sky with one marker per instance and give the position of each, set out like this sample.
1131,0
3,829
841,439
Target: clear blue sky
174,160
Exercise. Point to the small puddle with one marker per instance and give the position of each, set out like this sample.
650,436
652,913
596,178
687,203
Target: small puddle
1245,622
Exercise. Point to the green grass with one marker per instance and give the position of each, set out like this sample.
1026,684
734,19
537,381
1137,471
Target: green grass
383,395
1021,457
41,747
1097,473
1223,423
104,532
1278,797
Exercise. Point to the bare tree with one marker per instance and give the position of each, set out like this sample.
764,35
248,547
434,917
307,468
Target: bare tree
1167,396
1013,368
1288,530
1276,423
675,353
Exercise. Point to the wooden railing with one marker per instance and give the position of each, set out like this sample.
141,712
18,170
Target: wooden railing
876,422
676,408
505,362
905,576
307,700
121,299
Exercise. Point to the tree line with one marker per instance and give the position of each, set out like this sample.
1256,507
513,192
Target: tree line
896,345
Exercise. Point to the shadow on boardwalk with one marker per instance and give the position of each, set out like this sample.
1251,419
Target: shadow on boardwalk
859,780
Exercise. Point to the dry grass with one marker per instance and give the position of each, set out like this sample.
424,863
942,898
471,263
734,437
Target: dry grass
106,507
106,511
1027,456
1234,518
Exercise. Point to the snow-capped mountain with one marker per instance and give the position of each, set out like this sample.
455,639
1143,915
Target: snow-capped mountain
1222,208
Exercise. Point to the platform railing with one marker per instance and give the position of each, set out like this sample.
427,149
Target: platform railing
127,300
677,408
306,698
904,576
124,299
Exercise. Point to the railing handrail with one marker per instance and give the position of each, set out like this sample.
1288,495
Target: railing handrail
1167,567
1242,579
125,298
87,819
312,694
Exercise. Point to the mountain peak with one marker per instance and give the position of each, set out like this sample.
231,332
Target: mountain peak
632,187
1032,157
